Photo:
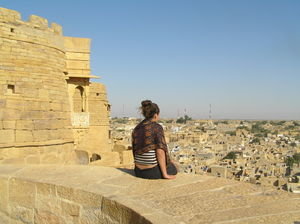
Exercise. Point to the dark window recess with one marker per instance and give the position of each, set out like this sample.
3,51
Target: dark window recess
95,157
12,30
11,89
97,94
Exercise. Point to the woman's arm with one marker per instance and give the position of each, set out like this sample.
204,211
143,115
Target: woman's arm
161,158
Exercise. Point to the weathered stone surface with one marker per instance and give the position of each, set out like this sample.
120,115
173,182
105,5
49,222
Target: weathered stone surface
89,194
80,157
4,195
45,217
25,215
70,208
24,136
22,193
7,136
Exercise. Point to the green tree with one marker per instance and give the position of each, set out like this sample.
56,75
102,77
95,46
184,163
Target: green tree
255,141
231,133
183,120
230,155
289,161
296,158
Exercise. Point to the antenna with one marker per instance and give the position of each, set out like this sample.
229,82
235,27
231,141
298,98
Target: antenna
210,112
123,113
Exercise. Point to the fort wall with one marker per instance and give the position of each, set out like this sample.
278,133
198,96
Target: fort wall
35,111
48,106
54,194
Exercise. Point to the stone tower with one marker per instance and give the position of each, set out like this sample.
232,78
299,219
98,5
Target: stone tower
47,102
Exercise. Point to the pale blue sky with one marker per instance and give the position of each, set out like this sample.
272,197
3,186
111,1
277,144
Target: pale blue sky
243,57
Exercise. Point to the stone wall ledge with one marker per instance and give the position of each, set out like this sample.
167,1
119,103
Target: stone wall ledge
35,144
90,194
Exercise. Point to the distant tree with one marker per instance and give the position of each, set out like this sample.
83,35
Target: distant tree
180,120
281,122
295,123
255,141
230,155
231,133
289,127
183,120
296,157
289,161
243,127
293,144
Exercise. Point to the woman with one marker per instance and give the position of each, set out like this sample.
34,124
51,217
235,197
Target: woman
149,147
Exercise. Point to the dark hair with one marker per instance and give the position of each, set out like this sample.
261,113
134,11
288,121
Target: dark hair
149,109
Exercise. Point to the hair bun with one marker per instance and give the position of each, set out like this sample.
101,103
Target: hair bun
146,103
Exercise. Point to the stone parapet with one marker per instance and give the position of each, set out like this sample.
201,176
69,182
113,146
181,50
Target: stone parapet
54,194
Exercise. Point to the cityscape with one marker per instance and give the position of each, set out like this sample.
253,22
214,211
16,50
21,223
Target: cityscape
259,152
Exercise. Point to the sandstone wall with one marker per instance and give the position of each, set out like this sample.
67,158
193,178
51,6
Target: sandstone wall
34,107
26,200
48,194
96,138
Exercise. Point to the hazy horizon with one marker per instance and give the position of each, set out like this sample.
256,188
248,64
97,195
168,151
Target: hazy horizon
242,57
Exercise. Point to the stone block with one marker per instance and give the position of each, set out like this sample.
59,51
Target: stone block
48,203
11,114
91,216
9,15
112,209
41,135
80,157
127,157
87,199
78,56
7,136
25,215
15,104
46,189
50,159
4,195
70,208
22,193
56,106
46,217
33,106
45,106
65,192
2,101
24,125
57,28
41,124
9,124
34,159
24,136
38,21
43,94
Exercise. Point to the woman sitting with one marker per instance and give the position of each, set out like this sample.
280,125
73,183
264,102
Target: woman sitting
149,146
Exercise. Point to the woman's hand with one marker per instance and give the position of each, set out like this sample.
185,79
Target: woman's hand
161,158
169,177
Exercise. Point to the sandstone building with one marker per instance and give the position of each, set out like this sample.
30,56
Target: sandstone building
48,106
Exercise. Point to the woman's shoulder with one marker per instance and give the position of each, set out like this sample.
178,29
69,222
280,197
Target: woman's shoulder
157,126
